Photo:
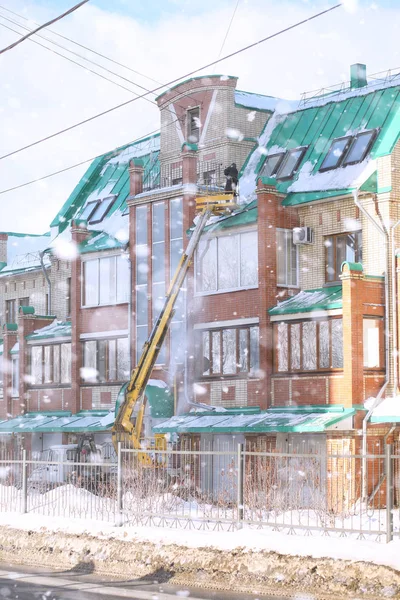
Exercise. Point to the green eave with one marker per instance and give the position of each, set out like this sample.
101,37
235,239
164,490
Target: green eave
328,298
309,419
63,329
247,216
59,422
159,396
296,198
99,241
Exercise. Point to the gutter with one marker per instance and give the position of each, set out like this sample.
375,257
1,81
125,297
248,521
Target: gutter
45,273
382,230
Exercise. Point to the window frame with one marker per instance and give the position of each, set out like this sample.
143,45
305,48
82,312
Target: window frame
220,375
189,131
83,288
277,166
55,382
107,380
197,292
93,221
334,237
286,285
374,133
95,203
302,150
349,138
301,370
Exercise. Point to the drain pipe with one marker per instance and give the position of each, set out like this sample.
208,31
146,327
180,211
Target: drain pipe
45,273
378,398
394,310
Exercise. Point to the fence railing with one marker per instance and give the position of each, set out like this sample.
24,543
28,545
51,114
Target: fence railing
219,486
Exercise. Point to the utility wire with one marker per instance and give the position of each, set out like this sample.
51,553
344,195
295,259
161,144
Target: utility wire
109,110
80,65
25,37
229,28
86,48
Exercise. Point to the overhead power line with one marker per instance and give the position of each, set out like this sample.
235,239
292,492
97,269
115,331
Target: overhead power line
86,47
229,28
24,37
125,103
207,66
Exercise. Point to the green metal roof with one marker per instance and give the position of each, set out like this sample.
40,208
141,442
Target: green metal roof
54,330
108,176
159,396
310,419
59,421
296,198
98,241
315,126
328,298
247,216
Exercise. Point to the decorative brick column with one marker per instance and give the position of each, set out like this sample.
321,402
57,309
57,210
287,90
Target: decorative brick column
189,180
353,348
10,337
79,233
3,248
135,177
268,207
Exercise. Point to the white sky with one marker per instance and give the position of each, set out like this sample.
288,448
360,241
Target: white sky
42,93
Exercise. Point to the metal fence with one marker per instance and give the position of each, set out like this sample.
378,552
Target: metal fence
226,486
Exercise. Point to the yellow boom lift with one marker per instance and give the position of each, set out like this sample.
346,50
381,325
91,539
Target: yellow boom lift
125,430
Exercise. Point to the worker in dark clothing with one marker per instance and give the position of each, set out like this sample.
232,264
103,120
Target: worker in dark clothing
231,174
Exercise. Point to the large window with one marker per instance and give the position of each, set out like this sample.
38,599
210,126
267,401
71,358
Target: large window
177,329
286,258
309,345
227,262
348,150
105,360
341,248
106,281
142,269
11,311
158,266
373,343
50,364
15,376
193,123
231,351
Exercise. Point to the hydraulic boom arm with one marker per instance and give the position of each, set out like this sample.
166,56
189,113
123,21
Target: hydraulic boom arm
124,430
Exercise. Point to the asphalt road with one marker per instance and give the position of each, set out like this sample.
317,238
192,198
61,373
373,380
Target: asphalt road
26,583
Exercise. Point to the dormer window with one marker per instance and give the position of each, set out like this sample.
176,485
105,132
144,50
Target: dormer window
96,210
348,150
102,209
193,125
271,165
290,163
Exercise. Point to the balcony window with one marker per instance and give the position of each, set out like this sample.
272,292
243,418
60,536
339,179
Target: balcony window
286,258
106,281
308,346
50,364
341,248
228,352
227,263
105,360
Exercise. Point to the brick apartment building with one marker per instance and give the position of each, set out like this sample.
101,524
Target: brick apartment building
288,320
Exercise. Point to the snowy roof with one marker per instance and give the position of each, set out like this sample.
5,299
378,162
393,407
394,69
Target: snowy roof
262,102
108,176
55,330
296,419
60,421
314,126
23,252
328,298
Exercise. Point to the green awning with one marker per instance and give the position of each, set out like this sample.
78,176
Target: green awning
86,421
311,419
57,329
296,198
328,298
159,396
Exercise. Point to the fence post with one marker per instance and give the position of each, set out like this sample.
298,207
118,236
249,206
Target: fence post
119,486
24,507
240,479
389,493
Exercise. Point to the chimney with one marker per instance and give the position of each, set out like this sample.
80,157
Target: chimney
136,176
358,76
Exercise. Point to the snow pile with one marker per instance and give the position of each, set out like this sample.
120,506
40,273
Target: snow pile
389,407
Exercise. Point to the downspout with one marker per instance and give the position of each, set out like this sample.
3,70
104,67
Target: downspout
378,398
394,310
45,273
129,310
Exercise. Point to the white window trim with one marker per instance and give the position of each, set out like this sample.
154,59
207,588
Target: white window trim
285,285
103,335
227,324
310,316
234,231
98,258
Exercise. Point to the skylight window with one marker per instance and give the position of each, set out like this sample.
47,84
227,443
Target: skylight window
88,210
290,163
101,210
271,165
359,148
335,153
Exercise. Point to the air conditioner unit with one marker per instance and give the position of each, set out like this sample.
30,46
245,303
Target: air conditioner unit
303,235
